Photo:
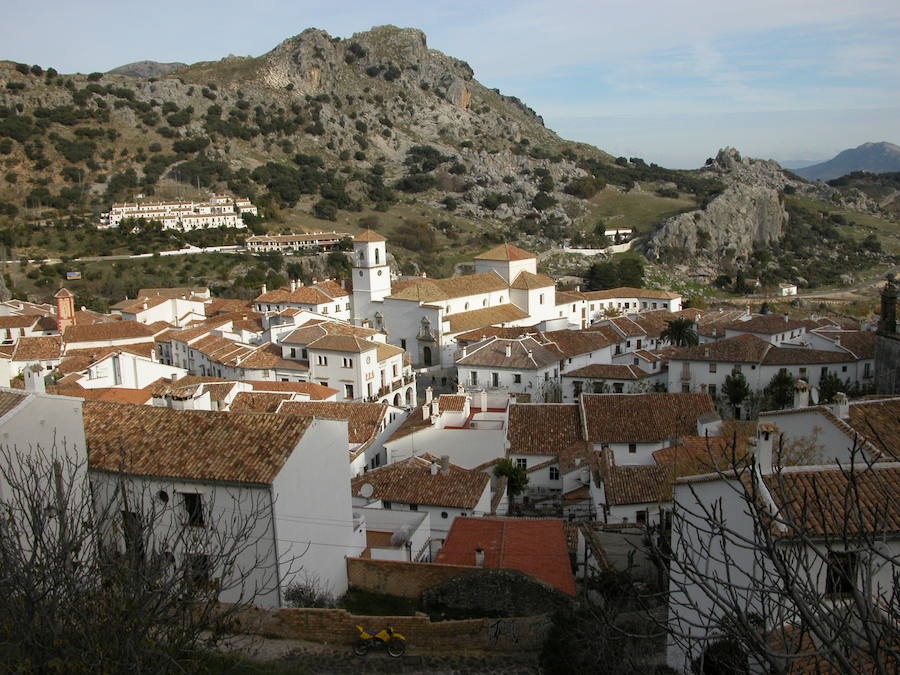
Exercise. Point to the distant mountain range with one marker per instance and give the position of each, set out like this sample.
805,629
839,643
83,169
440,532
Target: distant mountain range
873,157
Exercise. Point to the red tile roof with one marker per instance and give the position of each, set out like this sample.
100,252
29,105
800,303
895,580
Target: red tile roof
642,418
635,484
38,348
505,252
364,419
192,444
766,324
536,547
411,482
9,400
115,330
370,236
608,371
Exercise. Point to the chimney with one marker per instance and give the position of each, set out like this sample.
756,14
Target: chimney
293,285
463,352
460,389
435,408
483,401
785,318
434,468
508,350
479,557
765,439
263,291
34,379
429,394
426,412
841,406
837,340
801,394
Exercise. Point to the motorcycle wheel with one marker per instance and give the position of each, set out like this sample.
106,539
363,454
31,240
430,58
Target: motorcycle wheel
396,647
361,648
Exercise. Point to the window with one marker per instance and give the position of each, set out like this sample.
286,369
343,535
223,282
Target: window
466,307
347,307
712,367
517,377
578,385
841,574
386,505
521,463
636,362
197,568
641,517
347,362
304,354
541,299
403,344
867,370
395,370
495,379
413,507
639,344
632,448
193,508
554,473
348,391
618,387
322,360
685,387
628,344
324,383
473,377
824,371
803,372
712,391
843,369
737,368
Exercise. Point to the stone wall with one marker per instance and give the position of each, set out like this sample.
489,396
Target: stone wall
403,579
337,626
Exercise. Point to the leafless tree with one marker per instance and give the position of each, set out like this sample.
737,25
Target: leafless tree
794,568
100,576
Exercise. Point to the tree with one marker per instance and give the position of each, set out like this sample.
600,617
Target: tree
680,332
830,385
735,389
787,571
631,272
99,575
780,390
516,476
602,275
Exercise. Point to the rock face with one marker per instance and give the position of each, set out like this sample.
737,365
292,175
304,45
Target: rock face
730,225
146,69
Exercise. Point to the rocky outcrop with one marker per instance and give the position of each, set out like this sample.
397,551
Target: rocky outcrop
730,225
146,69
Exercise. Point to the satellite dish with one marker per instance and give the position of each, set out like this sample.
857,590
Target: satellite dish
366,490
814,395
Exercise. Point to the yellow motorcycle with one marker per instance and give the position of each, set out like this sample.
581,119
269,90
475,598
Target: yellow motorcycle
395,643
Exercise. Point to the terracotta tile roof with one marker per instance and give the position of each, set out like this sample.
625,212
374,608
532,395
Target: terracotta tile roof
118,330
305,295
111,394
227,305
18,321
258,402
505,252
269,356
141,304
411,482
788,356
45,348
10,400
343,343
527,281
452,402
835,501
654,322
369,235
432,290
611,335
486,316
536,547
766,324
642,418
609,371
77,360
575,342
386,351
525,353
312,330
543,428
332,288
634,484
64,293
193,444
364,419
696,455
567,298
479,334
860,343
878,422
627,327
744,348
314,391
629,292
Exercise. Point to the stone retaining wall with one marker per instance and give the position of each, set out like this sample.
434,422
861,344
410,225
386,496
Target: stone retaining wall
403,579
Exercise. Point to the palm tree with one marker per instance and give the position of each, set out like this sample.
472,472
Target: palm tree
681,333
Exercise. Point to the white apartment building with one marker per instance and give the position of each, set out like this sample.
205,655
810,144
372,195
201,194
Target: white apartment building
219,211
292,243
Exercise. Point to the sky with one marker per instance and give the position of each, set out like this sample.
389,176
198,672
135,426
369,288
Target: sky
670,81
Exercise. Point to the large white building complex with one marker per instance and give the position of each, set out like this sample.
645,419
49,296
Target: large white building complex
219,211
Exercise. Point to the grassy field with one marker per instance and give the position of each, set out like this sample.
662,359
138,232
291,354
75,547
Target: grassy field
638,210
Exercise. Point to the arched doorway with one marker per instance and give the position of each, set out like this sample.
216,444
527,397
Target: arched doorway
409,400
397,400
426,355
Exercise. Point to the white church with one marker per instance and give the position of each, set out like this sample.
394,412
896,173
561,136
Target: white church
423,315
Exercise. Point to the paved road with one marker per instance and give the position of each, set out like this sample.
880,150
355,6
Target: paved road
136,256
